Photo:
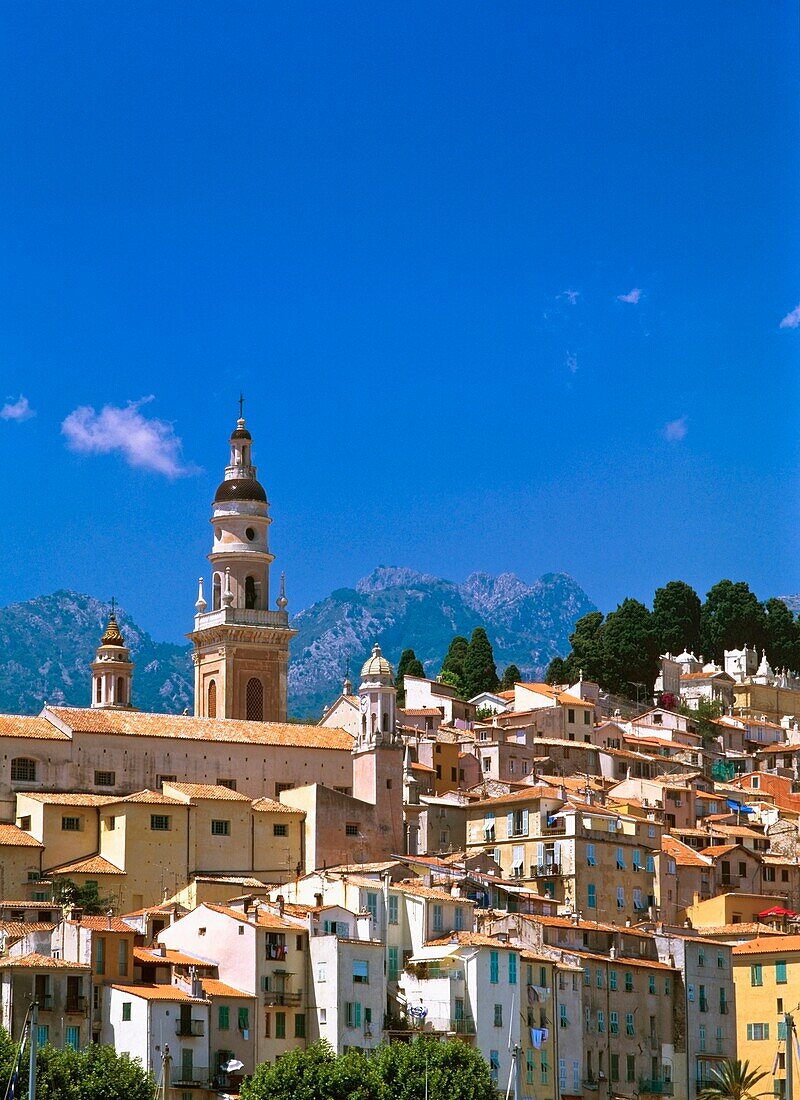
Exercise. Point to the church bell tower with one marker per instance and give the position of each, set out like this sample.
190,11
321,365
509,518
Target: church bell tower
241,647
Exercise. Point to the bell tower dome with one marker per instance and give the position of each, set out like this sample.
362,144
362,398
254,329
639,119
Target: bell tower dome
241,647
112,669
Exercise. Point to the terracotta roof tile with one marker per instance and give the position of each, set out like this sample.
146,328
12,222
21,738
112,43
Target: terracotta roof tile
269,805
92,865
34,961
18,725
69,798
152,798
265,918
159,992
16,929
418,890
13,837
770,945
212,987
170,958
683,855
103,924
182,727
472,939
207,790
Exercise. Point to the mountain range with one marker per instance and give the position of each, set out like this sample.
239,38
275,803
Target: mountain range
48,643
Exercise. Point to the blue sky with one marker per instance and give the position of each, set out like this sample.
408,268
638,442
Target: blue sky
503,285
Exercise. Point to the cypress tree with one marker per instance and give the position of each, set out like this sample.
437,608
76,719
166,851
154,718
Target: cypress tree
511,676
408,665
480,671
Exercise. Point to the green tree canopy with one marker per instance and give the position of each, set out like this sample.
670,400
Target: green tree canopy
676,617
408,665
731,617
782,635
453,680
454,1071
455,656
558,671
480,671
86,896
630,650
587,654
316,1074
94,1073
511,676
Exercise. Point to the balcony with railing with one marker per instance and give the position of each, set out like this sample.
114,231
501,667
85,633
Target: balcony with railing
465,1025
75,1004
188,1028
546,870
280,997
192,1076
656,1086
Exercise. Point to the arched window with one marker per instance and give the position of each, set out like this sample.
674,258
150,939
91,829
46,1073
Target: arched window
385,721
216,600
212,699
23,770
254,700
98,690
250,592
121,690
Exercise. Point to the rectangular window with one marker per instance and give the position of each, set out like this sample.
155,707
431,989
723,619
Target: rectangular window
159,823
300,1025
394,967
361,971
562,1013
23,771
598,978
122,958
591,856
353,1014
780,972
512,968
351,828
613,1023
498,1015
100,955
628,982
756,974
280,1025
601,1021
651,983
630,1067
494,1066
651,865
393,917
612,979
126,1011
71,824
459,918
224,1017
545,1068
757,1032
614,1063
280,830
438,918
244,1018
630,1028
620,897
494,967
620,859
220,828
562,1074
591,898
530,1067
105,779
229,783
702,1037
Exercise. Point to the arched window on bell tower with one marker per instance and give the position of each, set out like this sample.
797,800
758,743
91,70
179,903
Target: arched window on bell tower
216,599
212,699
254,700
98,690
250,593
121,691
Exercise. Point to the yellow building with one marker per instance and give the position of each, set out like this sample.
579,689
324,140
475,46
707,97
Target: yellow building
766,974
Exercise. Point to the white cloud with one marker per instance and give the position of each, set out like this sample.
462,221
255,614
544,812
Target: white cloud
676,430
572,296
792,320
17,410
150,444
572,362
632,297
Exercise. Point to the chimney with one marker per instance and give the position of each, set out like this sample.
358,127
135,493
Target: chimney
281,904
109,915
76,913
197,985
318,900
161,949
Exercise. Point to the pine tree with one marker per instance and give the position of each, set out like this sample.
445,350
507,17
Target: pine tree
511,676
480,671
454,658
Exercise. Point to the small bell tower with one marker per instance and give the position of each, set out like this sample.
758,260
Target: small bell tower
241,646
112,669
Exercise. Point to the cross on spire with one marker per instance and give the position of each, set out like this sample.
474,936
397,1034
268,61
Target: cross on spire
241,405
